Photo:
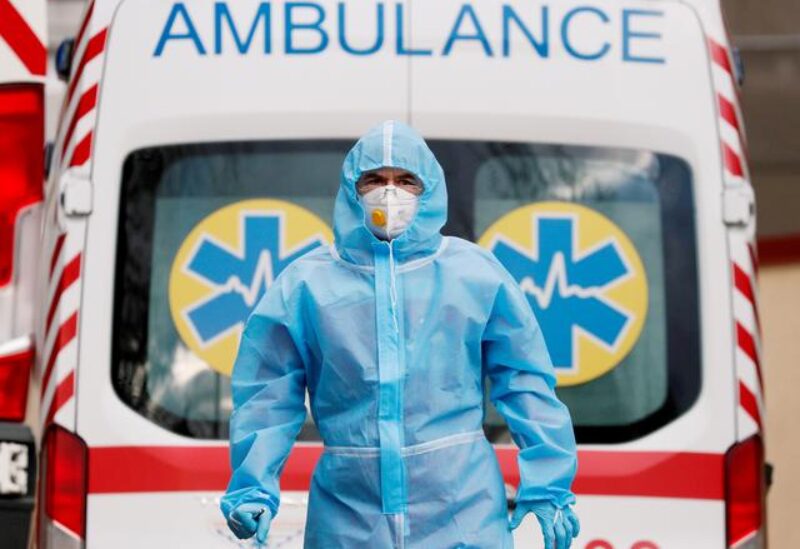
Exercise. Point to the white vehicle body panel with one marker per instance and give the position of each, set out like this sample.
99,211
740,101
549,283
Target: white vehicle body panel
150,94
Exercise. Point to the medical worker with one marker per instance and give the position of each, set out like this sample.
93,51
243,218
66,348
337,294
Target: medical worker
396,332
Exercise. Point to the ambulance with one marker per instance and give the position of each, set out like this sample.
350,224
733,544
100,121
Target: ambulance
595,147
23,58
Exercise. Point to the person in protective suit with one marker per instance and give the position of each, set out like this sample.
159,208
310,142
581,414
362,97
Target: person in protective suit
393,331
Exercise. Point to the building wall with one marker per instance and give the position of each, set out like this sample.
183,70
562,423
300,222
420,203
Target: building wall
779,298
767,32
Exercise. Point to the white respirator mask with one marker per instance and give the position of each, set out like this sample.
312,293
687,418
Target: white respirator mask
389,210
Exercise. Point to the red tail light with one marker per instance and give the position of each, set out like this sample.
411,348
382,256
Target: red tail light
21,162
16,359
62,490
745,492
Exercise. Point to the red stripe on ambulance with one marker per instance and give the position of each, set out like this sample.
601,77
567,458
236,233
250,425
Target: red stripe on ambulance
687,475
87,103
747,344
84,26
19,36
164,469
728,111
733,162
82,152
56,253
744,284
748,401
70,275
64,392
66,333
747,323
719,54
94,48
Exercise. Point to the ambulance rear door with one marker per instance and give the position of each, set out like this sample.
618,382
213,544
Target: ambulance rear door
219,140
593,172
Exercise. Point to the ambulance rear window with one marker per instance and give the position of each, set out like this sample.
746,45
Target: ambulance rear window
601,241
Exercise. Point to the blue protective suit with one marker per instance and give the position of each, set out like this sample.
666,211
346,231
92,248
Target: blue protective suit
394,342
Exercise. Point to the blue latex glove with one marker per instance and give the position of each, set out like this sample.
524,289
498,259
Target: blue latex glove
559,526
250,518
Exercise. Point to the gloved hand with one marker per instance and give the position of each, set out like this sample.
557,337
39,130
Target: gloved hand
250,518
559,526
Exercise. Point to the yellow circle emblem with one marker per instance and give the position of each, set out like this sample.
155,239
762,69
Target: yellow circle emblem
225,264
584,281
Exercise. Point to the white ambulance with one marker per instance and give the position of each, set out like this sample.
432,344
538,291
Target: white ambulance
595,147
23,57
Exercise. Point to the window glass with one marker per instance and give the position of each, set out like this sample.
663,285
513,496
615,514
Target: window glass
600,240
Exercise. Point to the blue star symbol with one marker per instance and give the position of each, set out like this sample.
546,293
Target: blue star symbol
565,288
239,277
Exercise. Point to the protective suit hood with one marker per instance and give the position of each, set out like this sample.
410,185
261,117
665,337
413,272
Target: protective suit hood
390,144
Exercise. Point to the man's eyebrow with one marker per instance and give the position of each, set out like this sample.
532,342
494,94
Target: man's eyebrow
410,177
372,175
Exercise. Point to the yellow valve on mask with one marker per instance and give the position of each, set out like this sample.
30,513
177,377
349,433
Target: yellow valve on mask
379,218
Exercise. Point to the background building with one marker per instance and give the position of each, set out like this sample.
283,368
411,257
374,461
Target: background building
768,34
